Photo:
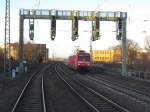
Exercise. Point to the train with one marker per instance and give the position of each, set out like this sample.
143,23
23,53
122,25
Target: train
80,60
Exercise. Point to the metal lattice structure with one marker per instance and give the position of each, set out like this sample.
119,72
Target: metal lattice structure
71,15
7,36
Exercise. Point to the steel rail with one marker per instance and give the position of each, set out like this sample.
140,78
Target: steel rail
133,92
100,95
77,93
26,87
43,95
22,92
133,89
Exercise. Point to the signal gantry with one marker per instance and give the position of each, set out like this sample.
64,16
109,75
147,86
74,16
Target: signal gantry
95,16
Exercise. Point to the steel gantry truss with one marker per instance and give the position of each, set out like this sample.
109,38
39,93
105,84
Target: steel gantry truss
7,37
94,16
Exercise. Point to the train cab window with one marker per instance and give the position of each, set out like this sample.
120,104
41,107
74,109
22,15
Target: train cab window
86,58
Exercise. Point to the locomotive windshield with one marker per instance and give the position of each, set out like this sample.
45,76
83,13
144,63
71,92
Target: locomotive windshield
85,58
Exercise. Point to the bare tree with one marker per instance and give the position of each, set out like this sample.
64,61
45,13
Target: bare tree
131,44
115,47
147,43
132,47
146,55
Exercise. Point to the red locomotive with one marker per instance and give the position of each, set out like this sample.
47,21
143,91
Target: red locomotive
80,60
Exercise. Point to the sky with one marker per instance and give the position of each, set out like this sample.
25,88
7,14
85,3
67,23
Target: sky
62,46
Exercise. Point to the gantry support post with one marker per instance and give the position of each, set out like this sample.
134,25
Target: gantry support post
21,43
124,51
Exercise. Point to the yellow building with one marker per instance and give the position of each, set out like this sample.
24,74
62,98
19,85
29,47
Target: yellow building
117,56
107,56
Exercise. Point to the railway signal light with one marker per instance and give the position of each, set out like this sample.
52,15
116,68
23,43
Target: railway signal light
120,24
119,36
31,26
95,29
53,27
75,28
31,35
119,29
31,29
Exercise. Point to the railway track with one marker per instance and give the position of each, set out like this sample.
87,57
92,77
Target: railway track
121,85
139,95
96,101
132,83
132,100
139,86
58,96
32,98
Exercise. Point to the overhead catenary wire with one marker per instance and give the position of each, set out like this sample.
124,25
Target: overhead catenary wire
100,3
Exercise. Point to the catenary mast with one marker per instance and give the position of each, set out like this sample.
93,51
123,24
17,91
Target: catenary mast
7,36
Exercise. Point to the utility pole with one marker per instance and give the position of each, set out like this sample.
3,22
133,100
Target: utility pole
7,35
91,53
53,55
